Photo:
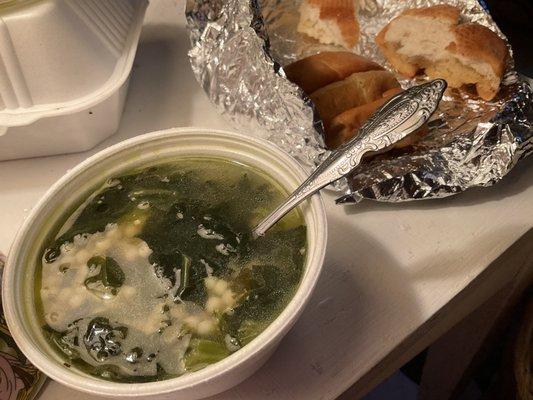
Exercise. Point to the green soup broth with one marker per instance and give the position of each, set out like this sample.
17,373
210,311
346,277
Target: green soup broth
156,275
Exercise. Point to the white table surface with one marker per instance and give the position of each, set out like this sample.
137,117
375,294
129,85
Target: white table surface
389,267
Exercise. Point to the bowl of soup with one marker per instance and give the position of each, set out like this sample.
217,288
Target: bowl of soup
137,274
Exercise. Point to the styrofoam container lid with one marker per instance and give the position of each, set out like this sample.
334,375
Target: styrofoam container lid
59,57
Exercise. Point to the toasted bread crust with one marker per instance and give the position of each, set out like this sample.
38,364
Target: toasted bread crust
346,125
357,89
319,70
493,52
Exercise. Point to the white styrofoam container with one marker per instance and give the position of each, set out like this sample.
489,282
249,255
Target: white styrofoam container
64,69
19,272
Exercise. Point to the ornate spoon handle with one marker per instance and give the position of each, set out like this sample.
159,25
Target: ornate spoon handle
400,116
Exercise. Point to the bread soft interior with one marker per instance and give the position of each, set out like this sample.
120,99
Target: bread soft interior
425,42
432,40
322,30
330,21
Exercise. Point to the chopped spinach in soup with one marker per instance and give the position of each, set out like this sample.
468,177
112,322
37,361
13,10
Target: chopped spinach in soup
156,275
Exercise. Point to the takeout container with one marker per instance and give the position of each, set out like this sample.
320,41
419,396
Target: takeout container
64,70
19,272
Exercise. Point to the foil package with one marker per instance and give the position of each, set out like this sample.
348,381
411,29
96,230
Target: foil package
239,48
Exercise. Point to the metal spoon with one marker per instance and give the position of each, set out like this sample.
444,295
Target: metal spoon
400,116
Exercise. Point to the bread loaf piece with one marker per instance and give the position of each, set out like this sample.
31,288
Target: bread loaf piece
347,124
358,89
431,40
316,71
330,21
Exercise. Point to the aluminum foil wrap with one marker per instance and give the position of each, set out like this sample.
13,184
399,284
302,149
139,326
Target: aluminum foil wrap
239,48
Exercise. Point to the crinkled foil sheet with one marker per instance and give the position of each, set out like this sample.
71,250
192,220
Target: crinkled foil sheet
239,48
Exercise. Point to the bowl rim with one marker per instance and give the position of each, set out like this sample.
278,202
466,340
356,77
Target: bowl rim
274,332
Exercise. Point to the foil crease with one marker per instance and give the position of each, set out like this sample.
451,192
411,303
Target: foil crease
239,48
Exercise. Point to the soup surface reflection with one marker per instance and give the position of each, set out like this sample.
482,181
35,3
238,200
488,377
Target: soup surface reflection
155,274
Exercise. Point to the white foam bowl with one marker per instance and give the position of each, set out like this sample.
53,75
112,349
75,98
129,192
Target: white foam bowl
64,69
19,271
